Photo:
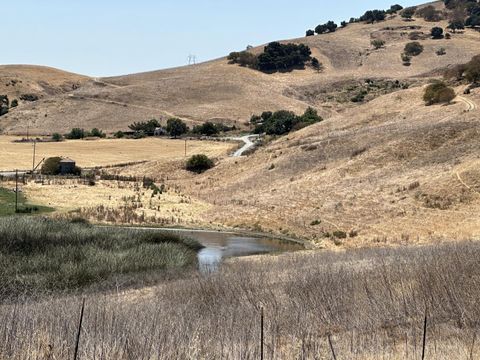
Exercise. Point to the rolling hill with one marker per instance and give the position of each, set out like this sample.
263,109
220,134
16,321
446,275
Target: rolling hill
389,169
219,91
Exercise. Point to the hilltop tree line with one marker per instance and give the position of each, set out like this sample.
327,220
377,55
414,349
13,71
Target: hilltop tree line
464,13
176,127
370,16
276,57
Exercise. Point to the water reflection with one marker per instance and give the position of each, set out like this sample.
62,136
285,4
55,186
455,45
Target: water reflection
219,246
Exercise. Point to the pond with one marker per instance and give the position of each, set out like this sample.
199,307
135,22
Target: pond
222,245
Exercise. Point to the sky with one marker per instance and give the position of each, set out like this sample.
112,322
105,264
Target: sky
117,37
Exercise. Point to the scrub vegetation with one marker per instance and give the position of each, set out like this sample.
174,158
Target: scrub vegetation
39,254
369,303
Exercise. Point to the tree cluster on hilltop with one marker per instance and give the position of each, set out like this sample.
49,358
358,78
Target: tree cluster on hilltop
370,16
275,57
464,13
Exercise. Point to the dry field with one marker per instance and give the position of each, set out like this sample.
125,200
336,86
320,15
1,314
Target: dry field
105,152
118,202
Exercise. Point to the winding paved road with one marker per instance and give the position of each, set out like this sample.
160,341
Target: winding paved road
249,144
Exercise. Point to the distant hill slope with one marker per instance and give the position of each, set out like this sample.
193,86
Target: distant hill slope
218,91
389,171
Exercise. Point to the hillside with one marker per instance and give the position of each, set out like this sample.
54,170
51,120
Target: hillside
218,91
392,170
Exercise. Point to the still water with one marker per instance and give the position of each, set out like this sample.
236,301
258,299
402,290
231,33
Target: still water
220,245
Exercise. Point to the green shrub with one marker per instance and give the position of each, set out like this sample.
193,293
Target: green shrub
14,103
75,134
57,137
339,234
243,58
359,97
119,135
408,13
413,48
473,21
328,27
176,127
147,127
199,164
437,32
4,104
282,122
310,33
372,16
437,93
275,57
51,166
406,59
429,13
139,135
377,43
472,70
280,57
208,129
29,97
395,8
456,24
316,65
97,133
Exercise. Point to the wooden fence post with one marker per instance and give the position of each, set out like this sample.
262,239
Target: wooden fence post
424,334
331,347
261,333
77,342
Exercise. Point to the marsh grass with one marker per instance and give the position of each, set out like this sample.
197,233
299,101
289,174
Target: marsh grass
39,254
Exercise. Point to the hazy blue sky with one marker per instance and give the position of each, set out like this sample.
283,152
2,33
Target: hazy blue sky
113,37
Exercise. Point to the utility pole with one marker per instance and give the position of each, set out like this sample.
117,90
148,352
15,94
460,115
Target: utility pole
16,191
34,149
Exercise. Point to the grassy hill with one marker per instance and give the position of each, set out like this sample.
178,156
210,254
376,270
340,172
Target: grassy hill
216,90
389,169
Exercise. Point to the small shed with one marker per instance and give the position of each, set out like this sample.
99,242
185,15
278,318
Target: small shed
67,166
159,131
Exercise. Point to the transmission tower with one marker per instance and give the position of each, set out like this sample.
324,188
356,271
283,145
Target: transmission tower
192,59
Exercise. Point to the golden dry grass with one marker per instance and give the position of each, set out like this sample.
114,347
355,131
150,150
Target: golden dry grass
371,301
392,170
94,202
218,91
90,153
